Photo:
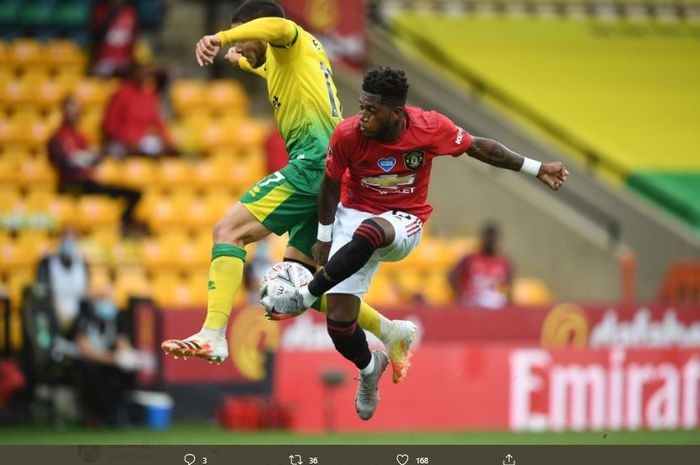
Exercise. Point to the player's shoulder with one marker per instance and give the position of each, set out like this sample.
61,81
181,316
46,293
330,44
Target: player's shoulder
348,128
428,120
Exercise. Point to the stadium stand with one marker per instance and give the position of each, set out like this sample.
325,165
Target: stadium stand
182,197
558,77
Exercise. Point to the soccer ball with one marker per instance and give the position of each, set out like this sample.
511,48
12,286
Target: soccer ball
281,279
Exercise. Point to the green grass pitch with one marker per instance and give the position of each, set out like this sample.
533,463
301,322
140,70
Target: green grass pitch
188,434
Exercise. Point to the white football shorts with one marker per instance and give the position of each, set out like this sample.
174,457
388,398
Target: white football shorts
409,229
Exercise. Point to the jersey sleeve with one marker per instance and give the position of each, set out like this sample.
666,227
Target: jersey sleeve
245,66
450,138
278,32
337,157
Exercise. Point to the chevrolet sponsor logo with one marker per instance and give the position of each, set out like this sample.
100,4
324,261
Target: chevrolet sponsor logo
389,181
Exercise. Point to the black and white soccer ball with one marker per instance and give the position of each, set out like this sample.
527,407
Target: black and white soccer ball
282,279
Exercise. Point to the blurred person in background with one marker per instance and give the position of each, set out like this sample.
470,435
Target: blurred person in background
64,275
484,279
107,361
133,121
275,151
114,27
76,161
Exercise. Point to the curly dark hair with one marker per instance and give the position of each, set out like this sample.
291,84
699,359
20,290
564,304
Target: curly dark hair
254,9
390,83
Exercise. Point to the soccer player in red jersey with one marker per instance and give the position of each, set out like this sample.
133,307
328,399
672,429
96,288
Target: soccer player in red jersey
373,204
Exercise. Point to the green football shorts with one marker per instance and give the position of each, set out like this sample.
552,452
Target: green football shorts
285,201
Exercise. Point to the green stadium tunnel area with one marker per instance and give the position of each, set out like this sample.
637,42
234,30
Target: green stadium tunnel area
624,92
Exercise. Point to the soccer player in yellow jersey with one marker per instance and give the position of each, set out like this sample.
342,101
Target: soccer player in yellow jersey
307,110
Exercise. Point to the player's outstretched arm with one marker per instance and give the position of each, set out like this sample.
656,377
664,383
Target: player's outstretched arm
494,153
277,31
328,198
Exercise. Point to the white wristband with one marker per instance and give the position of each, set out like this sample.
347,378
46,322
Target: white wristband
325,232
531,166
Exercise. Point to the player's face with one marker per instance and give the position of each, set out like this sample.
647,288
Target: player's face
252,50
377,119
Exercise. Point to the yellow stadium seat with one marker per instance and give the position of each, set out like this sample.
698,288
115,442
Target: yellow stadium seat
27,54
130,281
531,292
97,210
249,133
64,209
430,255
90,124
107,236
411,284
109,171
187,95
169,290
226,96
100,279
39,133
437,289
126,252
51,92
172,173
246,171
138,172
63,53
9,164
16,92
69,79
208,173
149,197
197,287
94,252
163,251
382,292
184,137
16,254
205,210
93,93
195,253
216,135
166,212
39,199
16,282
36,171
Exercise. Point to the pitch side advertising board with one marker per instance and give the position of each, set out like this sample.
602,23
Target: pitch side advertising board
568,367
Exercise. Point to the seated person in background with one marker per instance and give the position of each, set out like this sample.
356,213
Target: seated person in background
133,122
275,151
107,361
114,27
484,278
64,274
75,160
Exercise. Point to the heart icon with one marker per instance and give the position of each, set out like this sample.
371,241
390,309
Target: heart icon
402,459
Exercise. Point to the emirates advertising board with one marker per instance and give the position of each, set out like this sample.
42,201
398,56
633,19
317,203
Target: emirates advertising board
570,367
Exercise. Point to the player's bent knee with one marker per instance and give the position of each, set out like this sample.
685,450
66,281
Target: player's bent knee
239,227
371,232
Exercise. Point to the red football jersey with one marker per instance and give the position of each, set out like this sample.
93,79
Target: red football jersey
383,176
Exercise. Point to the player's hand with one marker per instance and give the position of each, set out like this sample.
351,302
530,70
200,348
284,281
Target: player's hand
233,56
320,251
553,174
206,49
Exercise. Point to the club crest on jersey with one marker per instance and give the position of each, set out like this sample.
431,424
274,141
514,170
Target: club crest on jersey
414,159
386,164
